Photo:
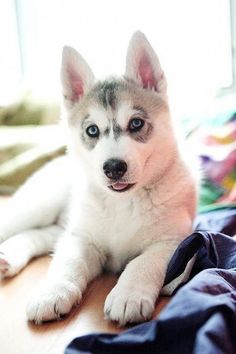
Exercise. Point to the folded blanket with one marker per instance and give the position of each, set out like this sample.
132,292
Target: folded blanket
24,149
201,317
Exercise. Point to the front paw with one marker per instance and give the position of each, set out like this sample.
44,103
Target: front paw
9,266
53,302
11,261
125,305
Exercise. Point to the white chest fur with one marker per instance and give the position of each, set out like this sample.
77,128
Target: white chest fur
120,226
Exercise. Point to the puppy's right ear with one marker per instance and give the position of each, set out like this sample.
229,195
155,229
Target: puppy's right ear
76,76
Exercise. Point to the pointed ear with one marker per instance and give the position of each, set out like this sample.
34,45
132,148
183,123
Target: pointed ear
76,76
143,66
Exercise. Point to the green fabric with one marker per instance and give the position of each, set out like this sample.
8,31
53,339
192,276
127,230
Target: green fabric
208,194
23,150
27,111
214,206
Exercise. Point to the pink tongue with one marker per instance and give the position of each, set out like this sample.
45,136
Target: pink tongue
119,186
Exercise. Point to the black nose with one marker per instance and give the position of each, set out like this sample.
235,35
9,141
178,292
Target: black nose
115,168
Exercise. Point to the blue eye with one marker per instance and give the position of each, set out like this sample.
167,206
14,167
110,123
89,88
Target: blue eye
136,124
92,131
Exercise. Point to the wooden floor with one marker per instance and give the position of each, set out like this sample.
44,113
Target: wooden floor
17,336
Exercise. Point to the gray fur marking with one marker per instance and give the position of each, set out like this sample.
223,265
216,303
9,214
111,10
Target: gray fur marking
107,131
141,111
116,129
107,93
89,143
144,134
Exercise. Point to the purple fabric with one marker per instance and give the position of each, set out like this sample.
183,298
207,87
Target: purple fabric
200,318
220,220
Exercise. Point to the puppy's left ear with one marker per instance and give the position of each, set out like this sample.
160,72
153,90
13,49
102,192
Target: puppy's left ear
143,66
76,76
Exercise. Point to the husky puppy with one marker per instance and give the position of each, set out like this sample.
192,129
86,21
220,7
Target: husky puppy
122,199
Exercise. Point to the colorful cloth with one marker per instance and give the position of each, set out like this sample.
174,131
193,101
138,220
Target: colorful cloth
217,153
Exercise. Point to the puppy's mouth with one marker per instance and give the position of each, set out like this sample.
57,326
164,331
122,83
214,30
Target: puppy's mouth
121,186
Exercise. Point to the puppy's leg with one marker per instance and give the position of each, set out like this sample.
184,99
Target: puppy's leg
75,263
38,202
18,250
134,296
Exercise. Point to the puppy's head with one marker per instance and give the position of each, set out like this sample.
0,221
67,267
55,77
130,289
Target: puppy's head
120,127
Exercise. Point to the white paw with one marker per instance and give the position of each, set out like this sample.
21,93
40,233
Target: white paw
125,305
10,265
53,302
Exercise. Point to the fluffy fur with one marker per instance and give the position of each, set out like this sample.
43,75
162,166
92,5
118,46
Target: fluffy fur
129,225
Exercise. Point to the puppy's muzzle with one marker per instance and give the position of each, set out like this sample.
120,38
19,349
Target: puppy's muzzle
115,168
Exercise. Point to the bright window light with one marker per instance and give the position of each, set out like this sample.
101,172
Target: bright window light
192,39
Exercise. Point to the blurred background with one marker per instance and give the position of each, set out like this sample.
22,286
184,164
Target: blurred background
196,44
